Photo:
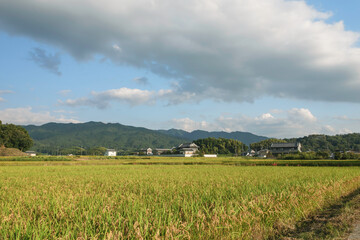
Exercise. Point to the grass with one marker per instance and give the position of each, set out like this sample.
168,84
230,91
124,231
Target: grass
116,199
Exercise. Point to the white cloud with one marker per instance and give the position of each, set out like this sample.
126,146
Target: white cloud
2,92
102,99
117,48
265,116
221,49
25,116
289,123
131,96
301,114
189,125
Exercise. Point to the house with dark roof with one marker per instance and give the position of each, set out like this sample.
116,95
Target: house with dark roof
285,148
188,149
159,151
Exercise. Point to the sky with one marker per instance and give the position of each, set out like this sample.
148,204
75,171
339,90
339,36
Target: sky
276,68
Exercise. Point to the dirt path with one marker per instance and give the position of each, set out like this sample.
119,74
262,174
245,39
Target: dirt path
339,221
355,235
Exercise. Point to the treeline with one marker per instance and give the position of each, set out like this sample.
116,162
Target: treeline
337,143
306,156
96,151
220,146
12,136
317,143
346,146
265,144
320,155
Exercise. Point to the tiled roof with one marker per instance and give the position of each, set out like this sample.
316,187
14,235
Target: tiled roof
284,145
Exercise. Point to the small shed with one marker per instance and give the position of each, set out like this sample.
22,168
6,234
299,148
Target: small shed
31,153
110,152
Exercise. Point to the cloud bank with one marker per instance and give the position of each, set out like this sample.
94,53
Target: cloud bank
226,50
130,96
26,115
294,122
102,100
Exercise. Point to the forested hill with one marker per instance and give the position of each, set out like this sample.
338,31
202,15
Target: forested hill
52,137
244,137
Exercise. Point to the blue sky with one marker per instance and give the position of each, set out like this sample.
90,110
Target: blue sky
275,68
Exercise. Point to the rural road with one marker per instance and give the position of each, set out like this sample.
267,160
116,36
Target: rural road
355,235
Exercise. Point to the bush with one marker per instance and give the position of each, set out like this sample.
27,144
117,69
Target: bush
305,156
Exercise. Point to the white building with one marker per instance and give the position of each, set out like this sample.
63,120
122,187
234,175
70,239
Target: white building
188,149
147,151
110,152
31,153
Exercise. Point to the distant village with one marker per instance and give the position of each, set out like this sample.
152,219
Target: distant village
191,150
183,150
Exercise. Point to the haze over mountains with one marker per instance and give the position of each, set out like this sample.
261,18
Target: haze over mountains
51,137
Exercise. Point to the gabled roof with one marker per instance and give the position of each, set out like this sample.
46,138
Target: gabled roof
187,149
285,145
146,149
187,145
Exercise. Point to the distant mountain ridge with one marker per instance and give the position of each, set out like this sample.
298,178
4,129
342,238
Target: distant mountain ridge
245,137
51,137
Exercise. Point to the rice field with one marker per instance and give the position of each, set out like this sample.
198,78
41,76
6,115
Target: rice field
164,201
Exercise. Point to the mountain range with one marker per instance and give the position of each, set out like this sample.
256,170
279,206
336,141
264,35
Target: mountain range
244,137
51,137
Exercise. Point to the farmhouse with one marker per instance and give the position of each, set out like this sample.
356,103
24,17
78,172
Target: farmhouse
250,153
263,153
188,149
110,152
285,148
159,151
147,151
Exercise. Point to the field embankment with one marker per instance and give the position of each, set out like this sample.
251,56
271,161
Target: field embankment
11,152
163,201
147,160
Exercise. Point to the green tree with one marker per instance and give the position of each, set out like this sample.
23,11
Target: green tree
96,151
265,144
220,146
12,136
